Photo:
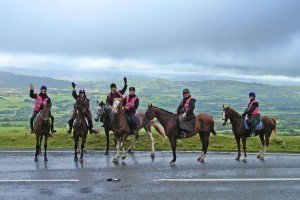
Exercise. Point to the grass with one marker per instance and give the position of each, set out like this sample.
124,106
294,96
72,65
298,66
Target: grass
19,138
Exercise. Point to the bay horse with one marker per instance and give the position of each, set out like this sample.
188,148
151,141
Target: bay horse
80,128
241,133
104,111
41,129
204,125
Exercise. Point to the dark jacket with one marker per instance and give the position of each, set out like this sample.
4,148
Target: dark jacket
110,96
181,109
136,103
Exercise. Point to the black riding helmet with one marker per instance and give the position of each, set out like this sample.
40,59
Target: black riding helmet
43,88
132,89
113,85
185,91
252,94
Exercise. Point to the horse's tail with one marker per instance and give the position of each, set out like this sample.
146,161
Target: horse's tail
213,127
274,130
160,129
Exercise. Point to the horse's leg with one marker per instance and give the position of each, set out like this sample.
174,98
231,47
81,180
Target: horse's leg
244,141
123,148
173,141
267,144
116,158
132,146
45,147
82,147
41,140
37,142
262,140
149,133
107,141
205,142
76,139
238,143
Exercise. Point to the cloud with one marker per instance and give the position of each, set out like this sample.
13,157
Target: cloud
247,38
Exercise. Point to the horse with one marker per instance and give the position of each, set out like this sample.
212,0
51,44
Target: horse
80,129
103,111
241,133
41,128
204,125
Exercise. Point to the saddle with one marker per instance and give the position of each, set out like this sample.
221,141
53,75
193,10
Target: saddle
187,124
247,125
137,121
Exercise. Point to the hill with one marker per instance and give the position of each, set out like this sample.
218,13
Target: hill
10,80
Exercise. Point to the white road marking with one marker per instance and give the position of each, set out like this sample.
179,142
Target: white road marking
231,180
37,180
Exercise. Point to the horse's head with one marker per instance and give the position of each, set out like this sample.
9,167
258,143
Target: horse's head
226,114
149,115
46,114
80,106
100,110
120,107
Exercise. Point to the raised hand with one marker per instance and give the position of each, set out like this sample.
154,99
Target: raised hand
125,80
31,86
73,84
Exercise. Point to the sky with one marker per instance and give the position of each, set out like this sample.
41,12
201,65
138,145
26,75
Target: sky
254,39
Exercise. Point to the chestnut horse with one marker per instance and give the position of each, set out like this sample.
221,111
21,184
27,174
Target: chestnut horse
204,125
41,128
80,129
104,111
241,133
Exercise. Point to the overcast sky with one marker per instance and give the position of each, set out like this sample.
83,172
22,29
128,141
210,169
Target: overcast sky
226,37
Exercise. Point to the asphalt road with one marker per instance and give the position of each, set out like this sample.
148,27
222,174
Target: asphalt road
220,177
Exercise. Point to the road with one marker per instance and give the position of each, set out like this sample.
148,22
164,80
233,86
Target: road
220,177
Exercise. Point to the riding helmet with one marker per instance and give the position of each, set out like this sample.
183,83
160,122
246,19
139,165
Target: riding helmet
185,91
81,91
252,94
113,85
43,88
132,89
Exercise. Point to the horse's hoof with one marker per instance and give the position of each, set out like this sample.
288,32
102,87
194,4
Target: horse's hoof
106,153
244,160
75,159
45,159
258,156
262,158
152,155
81,160
172,164
84,151
237,158
35,159
115,160
124,157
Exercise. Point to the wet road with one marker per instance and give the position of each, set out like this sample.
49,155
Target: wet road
220,177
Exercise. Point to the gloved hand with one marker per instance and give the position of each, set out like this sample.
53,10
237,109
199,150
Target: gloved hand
31,86
244,114
73,84
125,80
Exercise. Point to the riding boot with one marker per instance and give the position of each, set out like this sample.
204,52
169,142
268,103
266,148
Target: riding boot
70,123
52,125
91,130
182,135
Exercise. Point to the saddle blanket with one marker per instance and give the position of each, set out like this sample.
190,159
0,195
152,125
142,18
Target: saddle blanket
258,127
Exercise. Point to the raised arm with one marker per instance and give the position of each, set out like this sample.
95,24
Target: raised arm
31,92
125,86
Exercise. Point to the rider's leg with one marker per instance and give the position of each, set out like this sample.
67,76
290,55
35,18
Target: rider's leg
34,114
132,122
52,124
71,122
90,121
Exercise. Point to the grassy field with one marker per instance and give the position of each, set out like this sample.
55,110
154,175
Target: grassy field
19,138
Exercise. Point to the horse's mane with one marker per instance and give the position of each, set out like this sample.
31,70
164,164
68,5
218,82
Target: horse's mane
234,111
164,110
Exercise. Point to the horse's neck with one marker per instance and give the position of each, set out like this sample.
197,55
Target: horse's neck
162,116
235,117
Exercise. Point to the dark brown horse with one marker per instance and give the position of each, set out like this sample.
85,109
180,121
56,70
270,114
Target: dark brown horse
122,131
104,111
41,129
241,133
204,125
80,129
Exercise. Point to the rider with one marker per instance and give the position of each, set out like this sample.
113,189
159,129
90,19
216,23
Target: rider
131,103
81,97
41,100
115,93
252,111
186,111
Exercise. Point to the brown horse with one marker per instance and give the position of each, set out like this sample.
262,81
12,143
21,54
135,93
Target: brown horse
103,111
80,129
122,131
41,128
241,133
204,125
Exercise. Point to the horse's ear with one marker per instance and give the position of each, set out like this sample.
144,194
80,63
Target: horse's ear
149,105
97,102
228,107
223,105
